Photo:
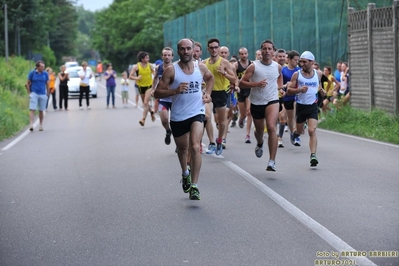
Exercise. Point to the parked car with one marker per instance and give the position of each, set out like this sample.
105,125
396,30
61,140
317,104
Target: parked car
74,81
71,64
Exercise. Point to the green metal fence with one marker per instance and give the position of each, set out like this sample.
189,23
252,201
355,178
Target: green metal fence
319,26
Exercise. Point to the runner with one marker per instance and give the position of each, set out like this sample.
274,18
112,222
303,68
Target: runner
164,103
305,83
289,100
280,57
244,105
183,82
142,73
223,74
265,79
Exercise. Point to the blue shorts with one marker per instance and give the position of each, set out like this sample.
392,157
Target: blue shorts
162,105
35,99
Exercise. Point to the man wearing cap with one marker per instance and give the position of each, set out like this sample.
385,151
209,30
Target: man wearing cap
305,84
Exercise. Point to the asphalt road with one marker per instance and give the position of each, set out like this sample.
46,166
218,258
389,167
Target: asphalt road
96,188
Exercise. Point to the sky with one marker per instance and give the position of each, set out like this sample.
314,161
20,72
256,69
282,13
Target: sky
94,5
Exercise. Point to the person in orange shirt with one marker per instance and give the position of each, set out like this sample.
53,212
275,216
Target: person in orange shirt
51,86
99,69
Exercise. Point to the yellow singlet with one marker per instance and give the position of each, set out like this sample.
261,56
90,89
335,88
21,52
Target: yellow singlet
146,75
221,82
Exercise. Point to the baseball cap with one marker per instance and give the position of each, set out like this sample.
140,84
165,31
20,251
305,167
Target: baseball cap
307,55
158,62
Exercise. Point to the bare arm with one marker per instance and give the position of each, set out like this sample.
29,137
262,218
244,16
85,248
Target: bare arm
292,87
280,82
155,80
244,82
162,90
133,73
27,86
208,78
227,70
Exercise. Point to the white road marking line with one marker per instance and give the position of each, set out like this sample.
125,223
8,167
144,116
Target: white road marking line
359,138
317,228
23,135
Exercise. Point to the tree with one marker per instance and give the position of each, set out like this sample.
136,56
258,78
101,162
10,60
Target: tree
124,29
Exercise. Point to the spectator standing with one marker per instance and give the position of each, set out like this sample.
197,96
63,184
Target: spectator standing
63,87
110,76
38,91
51,85
99,69
84,88
125,89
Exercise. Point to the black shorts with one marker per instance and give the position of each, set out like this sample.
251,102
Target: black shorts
243,94
219,99
289,105
182,127
142,90
304,112
258,111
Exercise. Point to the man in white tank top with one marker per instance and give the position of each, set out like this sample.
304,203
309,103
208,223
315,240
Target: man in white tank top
183,82
305,84
265,80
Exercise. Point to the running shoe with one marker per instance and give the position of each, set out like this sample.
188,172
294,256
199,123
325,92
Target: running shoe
235,116
233,123
241,123
280,143
224,144
286,128
81,108
247,139
258,151
219,148
31,128
167,138
40,128
153,116
271,166
292,139
186,181
141,122
297,141
313,160
211,148
194,193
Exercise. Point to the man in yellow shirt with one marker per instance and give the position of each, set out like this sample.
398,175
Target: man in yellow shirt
142,73
223,73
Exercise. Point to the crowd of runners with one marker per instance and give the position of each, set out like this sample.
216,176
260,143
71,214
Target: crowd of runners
277,92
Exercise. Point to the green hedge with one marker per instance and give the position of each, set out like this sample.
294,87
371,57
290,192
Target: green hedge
14,100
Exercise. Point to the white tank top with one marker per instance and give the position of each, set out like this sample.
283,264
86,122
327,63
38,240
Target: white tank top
264,95
309,97
344,83
187,104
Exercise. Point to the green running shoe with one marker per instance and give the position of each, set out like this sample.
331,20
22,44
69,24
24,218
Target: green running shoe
186,182
194,193
313,160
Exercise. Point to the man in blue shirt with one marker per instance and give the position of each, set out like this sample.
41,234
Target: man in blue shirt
38,91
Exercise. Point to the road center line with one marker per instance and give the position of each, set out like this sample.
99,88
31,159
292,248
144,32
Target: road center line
306,220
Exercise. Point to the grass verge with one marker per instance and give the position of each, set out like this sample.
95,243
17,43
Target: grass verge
14,100
375,124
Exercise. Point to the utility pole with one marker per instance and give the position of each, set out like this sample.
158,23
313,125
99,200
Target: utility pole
6,32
